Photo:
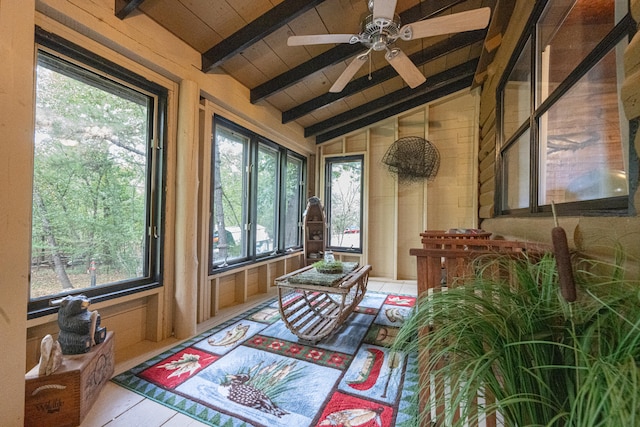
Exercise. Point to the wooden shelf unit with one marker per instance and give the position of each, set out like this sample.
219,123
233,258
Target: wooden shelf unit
315,231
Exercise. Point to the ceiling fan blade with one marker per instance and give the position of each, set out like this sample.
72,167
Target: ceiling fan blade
322,39
349,72
455,23
383,11
405,67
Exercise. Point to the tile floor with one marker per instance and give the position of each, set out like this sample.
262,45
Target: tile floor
117,406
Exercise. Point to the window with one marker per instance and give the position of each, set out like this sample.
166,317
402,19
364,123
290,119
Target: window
343,206
564,139
96,204
294,200
259,215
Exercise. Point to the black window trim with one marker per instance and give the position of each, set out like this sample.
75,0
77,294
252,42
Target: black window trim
327,207
78,56
613,206
255,140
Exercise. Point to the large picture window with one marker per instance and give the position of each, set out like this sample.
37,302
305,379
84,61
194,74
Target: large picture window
564,137
343,206
257,196
96,178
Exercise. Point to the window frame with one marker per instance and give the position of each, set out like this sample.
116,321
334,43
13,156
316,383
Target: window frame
86,61
610,206
328,161
255,142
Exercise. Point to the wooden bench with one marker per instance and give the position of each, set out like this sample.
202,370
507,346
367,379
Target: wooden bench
444,262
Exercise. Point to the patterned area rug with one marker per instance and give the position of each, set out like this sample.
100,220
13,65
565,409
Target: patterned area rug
251,371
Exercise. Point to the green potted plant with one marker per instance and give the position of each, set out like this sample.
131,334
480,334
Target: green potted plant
328,267
530,354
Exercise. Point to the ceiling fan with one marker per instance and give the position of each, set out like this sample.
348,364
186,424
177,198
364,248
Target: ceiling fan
381,29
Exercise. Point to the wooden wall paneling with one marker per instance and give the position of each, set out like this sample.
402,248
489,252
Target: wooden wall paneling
487,163
276,269
634,7
215,296
451,197
242,283
226,291
632,56
411,201
486,174
487,143
381,206
121,319
356,143
153,324
486,198
254,281
291,264
333,148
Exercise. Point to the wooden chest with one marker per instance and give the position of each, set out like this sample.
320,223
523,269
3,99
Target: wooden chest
65,397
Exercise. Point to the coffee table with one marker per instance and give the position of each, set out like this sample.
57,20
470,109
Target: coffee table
313,305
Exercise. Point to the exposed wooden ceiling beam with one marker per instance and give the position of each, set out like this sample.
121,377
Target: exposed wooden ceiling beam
421,11
431,95
294,75
455,42
259,28
123,8
388,103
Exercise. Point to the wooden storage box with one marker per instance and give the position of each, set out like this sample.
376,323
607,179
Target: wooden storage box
65,397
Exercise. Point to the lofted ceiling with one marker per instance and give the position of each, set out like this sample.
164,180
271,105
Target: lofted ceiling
247,39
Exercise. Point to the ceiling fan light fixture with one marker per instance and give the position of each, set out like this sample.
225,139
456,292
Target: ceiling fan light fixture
379,42
381,29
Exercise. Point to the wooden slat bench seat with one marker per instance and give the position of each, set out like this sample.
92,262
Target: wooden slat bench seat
445,262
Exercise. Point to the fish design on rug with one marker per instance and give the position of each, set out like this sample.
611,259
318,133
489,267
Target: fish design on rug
369,372
353,417
395,314
231,337
237,390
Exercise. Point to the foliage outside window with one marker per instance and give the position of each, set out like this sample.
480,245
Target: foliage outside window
96,205
564,137
343,206
257,189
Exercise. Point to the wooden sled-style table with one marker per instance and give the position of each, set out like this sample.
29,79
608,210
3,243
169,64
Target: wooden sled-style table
313,305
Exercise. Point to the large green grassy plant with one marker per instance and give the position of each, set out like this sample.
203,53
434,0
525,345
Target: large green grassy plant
507,335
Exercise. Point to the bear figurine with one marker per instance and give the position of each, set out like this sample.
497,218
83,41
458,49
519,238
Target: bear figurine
79,328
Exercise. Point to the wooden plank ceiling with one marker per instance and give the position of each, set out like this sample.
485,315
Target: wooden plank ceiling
247,39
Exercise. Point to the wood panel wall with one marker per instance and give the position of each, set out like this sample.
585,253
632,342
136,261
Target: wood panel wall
396,213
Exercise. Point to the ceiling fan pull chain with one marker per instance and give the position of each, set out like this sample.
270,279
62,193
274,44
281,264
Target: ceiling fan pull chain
369,67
